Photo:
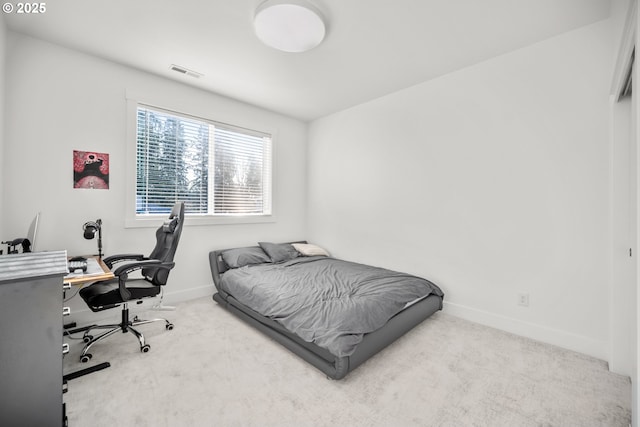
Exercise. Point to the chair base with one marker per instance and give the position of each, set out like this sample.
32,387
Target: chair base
125,326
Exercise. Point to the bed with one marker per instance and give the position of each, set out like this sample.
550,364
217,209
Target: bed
334,314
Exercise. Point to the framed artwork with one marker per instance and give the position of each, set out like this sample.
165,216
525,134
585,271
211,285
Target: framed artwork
90,170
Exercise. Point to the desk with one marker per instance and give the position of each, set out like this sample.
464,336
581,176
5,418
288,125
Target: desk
97,270
31,337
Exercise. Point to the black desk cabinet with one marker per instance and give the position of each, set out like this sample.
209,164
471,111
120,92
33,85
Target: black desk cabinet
31,338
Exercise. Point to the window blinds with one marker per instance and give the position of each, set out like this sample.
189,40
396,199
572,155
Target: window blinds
215,168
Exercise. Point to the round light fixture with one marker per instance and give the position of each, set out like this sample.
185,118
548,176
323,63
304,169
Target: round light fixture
290,26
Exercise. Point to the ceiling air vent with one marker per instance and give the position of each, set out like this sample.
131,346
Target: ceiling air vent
185,71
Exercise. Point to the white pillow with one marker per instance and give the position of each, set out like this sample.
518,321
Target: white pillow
307,249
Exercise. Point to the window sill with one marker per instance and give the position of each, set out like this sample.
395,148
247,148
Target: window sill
154,221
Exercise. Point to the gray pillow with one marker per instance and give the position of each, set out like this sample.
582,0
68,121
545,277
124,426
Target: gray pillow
240,257
279,252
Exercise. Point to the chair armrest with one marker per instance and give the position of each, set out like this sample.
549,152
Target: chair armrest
122,273
110,260
137,265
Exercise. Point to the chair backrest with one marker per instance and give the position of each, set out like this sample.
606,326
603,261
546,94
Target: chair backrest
167,238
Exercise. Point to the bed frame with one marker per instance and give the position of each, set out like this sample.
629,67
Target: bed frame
334,367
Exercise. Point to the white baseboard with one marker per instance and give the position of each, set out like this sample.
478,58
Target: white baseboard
567,340
189,294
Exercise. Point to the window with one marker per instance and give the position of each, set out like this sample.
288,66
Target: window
215,168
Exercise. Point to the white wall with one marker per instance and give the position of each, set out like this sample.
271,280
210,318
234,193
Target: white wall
61,100
490,181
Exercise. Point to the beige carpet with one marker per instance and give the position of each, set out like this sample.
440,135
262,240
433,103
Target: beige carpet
213,370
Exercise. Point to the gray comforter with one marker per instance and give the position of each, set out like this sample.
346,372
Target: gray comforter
327,301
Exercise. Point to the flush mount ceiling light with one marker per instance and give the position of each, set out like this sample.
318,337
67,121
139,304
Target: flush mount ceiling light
290,26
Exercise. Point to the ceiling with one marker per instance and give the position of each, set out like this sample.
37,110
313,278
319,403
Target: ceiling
372,48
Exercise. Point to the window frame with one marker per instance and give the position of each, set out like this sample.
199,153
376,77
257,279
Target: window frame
134,220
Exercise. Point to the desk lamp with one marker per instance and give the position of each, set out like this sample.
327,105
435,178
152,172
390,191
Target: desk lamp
90,228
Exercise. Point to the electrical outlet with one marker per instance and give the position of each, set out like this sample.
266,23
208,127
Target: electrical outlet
523,300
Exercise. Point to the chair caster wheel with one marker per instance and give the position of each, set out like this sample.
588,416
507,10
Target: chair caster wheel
145,348
86,358
169,326
87,338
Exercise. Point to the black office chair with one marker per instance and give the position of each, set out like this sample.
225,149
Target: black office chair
119,291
